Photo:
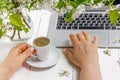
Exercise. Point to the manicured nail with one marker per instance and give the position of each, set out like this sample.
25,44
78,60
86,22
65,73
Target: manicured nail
97,37
32,48
64,50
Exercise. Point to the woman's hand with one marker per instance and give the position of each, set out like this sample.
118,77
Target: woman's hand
15,58
84,52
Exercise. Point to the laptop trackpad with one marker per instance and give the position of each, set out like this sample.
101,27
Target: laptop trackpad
103,38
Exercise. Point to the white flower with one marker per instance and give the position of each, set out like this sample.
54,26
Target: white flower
53,3
5,21
2,17
4,11
69,7
61,11
92,1
78,11
99,5
115,7
9,26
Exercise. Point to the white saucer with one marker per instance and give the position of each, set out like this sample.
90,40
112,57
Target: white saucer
53,59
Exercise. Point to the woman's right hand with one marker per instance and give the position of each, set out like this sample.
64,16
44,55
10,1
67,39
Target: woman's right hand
15,59
84,52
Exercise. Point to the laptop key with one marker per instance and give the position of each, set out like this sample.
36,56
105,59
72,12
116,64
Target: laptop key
74,28
69,28
63,27
94,28
103,18
97,25
94,21
101,25
113,27
108,27
90,15
58,27
86,25
118,24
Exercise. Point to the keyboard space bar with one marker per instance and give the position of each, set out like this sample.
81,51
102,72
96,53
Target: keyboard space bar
91,27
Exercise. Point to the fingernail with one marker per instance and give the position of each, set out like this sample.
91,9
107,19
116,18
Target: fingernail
97,37
32,49
64,50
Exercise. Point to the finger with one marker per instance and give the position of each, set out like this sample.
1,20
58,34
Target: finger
96,40
69,53
86,35
26,54
22,47
74,39
80,37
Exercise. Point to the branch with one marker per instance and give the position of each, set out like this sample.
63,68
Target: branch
24,19
26,23
19,35
13,35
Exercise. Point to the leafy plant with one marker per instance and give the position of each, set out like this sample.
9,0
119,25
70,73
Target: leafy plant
12,19
11,16
77,3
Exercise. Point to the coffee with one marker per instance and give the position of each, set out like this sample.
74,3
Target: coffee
41,41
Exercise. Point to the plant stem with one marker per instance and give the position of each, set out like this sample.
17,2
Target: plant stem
26,23
19,35
13,35
24,19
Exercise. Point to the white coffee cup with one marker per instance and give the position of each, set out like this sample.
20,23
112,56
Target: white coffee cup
42,51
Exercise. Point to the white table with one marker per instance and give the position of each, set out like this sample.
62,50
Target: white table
109,67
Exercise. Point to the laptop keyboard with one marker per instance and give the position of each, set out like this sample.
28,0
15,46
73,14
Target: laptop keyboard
88,21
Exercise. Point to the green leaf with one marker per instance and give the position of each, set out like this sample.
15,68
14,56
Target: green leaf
68,20
10,6
25,29
73,4
68,16
89,1
32,4
40,1
4,1
60,4
16,20
2,33
114,15
82,1
0,21
19,28
97,1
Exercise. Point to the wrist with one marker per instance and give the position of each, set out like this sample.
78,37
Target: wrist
4,72
93,64
90,72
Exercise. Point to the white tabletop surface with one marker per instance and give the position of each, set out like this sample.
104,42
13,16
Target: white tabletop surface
110,69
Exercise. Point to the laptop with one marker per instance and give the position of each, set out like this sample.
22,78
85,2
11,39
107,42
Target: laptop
92,21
